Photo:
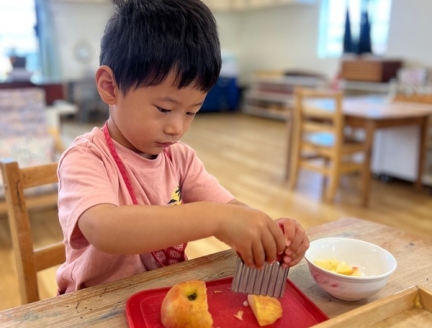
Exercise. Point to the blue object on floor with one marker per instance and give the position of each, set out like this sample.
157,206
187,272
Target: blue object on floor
223,96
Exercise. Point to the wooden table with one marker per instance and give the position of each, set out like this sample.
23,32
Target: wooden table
104,305
372,113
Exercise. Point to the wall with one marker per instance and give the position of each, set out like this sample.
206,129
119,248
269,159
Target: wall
409,32
229,31
277,38
286,37
76,22
281,38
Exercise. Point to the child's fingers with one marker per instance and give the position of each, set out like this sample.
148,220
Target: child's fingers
296,256
247,257
295,261
270,247
290,229
258,254
277,236
297,238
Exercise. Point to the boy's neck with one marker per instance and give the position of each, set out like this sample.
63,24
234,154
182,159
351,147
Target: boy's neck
116,135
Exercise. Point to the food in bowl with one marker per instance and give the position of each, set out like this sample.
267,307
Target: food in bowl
340,267
374,262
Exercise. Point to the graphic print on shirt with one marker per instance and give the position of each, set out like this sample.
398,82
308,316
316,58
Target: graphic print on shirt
176,197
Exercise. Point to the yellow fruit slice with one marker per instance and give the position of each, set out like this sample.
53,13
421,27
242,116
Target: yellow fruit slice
356,272
344,268
266,309
329,265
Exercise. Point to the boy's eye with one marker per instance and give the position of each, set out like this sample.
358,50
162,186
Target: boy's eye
163,110
190,113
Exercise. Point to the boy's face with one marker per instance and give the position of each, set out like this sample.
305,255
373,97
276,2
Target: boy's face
149,119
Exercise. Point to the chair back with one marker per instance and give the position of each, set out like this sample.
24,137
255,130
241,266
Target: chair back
28,259
319,121
320,142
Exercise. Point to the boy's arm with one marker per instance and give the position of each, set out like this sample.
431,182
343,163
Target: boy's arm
143,228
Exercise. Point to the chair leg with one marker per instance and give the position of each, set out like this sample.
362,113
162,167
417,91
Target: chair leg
365,185
334,182
294,172
290,147
294,163
325,178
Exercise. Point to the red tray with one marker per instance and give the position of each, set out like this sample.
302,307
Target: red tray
143,308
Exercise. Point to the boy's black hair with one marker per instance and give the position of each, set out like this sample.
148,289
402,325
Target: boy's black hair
145,40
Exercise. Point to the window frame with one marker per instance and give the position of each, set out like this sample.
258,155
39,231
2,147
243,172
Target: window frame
376,8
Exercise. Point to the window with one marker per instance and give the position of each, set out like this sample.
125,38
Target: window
332,24
17,34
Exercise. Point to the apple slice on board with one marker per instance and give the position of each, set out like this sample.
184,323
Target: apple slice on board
265,308
185,305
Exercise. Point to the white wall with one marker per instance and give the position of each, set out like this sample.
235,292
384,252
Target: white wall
276,38
75,22
286,37
229,31
410,30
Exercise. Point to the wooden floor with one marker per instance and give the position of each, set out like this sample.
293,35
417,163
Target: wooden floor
246,154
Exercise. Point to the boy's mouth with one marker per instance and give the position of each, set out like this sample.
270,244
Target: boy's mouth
164,144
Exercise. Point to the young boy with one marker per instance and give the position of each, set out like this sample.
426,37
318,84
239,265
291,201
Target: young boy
159,58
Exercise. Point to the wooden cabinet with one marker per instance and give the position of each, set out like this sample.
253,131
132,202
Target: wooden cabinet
369,69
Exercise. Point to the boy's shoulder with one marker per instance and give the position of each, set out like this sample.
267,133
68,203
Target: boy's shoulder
90,141
181,149
89,136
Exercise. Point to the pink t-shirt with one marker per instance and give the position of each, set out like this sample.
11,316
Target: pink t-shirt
88,176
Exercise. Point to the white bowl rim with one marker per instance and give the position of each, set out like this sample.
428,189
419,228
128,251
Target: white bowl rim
353,278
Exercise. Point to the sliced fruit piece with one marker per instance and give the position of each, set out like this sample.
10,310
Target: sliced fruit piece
265,308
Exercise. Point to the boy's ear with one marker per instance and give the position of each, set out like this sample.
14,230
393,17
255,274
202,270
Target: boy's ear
106,85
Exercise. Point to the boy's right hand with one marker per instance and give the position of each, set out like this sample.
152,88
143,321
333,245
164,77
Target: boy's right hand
252,234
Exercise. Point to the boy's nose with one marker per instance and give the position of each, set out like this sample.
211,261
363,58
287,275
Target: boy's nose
174,127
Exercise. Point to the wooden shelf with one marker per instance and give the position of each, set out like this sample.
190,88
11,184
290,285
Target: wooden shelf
370,87
268,113
272,96
286,99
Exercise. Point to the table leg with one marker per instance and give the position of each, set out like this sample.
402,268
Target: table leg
422,152
289,138
370,130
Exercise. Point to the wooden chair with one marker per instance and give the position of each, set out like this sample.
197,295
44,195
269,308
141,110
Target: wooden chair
318,133
28,260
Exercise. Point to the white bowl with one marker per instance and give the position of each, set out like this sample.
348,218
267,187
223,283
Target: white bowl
375,263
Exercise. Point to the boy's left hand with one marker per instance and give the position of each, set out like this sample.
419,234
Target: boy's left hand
297,242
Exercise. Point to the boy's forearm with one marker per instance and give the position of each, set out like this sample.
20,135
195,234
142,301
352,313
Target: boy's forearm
144,228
